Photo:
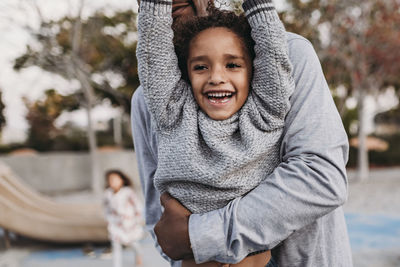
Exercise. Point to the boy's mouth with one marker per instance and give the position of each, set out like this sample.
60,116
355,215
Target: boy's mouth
219,97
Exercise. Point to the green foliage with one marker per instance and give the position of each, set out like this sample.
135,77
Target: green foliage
42,115
390,157
74,138
391,116
362,40
106,48
7,148
99,52
358,43
350,116
43,135
297,19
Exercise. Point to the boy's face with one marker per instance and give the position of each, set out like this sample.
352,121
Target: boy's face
220,71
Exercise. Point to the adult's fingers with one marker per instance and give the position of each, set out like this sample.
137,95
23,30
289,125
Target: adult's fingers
201,6
182,9
179,8
177,2
180,5
164,198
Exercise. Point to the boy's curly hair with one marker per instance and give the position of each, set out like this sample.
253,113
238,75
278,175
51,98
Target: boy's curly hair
185,29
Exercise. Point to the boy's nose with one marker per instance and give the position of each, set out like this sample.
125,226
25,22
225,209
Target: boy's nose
217,76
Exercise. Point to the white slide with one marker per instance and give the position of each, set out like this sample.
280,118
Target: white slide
26,212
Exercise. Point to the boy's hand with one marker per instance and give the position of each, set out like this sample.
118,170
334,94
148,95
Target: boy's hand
172,230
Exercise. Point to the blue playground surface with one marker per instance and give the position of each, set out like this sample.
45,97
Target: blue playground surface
374,234
367,232
373,231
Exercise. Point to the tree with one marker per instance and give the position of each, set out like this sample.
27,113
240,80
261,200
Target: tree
42,115
359,47
106,53
89,51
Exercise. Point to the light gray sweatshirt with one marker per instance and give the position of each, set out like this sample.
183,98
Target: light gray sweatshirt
202,162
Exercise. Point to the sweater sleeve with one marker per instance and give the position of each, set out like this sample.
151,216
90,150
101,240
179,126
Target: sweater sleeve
272,82
164,90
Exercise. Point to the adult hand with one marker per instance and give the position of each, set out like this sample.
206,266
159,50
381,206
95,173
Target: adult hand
172,230
187,8
182,8
201,7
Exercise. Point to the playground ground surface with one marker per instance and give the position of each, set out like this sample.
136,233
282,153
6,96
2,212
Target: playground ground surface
372,215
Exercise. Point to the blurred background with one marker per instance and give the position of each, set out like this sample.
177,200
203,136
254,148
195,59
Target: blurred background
67,73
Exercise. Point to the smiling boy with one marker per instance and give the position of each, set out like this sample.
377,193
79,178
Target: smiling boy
219,130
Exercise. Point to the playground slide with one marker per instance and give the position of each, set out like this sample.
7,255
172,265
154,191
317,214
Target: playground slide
30,214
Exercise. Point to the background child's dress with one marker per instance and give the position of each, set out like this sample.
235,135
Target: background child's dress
123,211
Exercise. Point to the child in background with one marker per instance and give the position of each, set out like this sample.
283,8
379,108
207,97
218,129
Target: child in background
123,212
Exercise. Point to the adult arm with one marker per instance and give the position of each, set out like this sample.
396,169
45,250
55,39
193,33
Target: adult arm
146,154
309,183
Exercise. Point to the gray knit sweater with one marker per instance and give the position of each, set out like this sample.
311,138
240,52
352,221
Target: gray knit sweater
202,162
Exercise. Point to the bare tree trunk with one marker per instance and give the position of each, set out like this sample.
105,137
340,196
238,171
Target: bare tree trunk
117,130
362,160
94,161
89,95
88,90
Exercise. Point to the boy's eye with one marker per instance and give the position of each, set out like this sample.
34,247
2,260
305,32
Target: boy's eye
199,67
232,65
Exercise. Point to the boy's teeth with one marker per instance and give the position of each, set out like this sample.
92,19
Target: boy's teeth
219,101
224,94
